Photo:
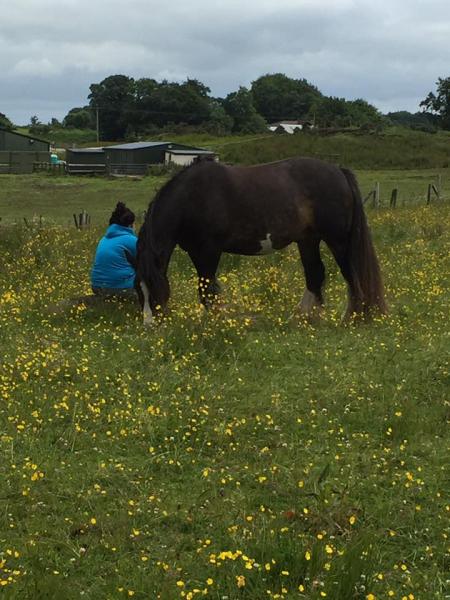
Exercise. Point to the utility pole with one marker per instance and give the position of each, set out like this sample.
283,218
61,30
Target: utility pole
98,133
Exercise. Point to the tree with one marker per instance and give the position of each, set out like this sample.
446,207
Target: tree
193,101
142,111
246,119
165,102
36,127
338,112
439,103
219,122
80,118
277,97
420,121
129,107
5,122
362,113
113,97
197,87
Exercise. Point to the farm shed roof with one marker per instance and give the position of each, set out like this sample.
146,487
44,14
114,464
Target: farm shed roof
288,122
88,150
137,145
190,151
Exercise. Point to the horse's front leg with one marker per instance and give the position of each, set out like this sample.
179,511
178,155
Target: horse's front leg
206,262
208,291
153,286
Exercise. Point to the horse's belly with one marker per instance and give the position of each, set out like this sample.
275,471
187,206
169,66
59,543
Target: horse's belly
266,245
256,247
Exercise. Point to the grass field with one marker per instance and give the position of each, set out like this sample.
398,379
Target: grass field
238,454
56,198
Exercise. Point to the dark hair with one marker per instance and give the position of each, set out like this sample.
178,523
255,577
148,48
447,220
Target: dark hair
122,216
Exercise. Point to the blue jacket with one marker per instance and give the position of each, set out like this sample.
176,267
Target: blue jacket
111,268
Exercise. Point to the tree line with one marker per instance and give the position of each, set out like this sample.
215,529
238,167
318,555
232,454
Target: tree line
124,108
128,107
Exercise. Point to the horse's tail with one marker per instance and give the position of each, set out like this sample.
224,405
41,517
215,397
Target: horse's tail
366,286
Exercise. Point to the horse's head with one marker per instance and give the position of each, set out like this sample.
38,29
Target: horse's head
150,284
142,289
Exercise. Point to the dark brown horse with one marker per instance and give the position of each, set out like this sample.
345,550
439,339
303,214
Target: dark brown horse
210,208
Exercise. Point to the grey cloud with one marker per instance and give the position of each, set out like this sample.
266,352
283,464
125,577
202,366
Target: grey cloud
388,53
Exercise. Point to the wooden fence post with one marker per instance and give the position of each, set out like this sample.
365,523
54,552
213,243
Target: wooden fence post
434,188
368,197
82,220
377,194
394,194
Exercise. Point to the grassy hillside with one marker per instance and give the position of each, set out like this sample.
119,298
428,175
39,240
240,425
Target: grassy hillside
237,455
396,148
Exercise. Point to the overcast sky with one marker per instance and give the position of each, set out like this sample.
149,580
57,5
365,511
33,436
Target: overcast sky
389,52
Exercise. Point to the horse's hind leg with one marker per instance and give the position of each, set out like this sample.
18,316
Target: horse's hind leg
339,251
206,262
314,269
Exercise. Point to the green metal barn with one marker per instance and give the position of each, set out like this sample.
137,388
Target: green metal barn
135,158
85,161
19,152
12,141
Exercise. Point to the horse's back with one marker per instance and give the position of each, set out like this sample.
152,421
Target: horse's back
303,192
241,207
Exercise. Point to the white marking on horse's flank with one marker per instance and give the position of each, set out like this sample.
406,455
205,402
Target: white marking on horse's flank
266,245
147,311
308,302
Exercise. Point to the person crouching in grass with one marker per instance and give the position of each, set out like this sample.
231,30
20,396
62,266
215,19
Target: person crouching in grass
112,276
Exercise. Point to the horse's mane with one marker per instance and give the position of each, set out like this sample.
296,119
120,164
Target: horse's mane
173,181
145,232
151,264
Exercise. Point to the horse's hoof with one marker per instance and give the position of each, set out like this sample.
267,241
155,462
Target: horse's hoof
148,321
310,317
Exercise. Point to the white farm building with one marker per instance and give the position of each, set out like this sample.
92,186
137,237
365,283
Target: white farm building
289,126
